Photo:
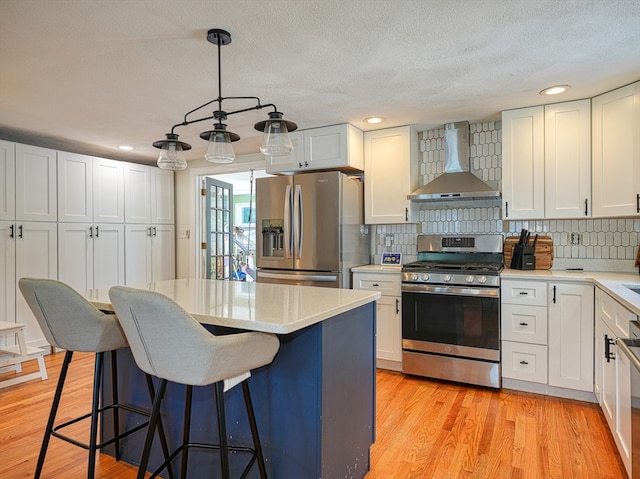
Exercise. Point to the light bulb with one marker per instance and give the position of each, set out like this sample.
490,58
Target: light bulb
220,149
171,157
275,139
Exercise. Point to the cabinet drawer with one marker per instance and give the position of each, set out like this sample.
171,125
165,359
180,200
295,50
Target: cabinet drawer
527,362
387,284
533,293
527,324
614,315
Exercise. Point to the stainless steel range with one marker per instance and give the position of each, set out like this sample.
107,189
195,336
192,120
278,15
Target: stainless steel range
451,309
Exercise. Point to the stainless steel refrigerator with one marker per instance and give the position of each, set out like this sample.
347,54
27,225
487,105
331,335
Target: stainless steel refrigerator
310,229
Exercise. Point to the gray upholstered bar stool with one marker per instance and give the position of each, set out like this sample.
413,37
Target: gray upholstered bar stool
70,322
196,357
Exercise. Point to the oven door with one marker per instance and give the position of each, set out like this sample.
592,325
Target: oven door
451,320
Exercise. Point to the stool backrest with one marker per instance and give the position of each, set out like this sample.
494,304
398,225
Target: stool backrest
167,342
68,321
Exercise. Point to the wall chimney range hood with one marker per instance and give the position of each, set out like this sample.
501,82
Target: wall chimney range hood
457,182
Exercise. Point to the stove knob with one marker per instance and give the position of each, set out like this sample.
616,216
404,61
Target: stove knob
424,277
414,277
482,279
469,279
446,278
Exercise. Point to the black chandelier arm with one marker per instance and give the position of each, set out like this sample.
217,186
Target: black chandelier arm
259,106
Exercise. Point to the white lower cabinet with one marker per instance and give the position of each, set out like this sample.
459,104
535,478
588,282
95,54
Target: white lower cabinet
613,372
547,333
149,253
388,315
91,255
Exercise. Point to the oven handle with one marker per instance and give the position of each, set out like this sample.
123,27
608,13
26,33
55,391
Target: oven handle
451,290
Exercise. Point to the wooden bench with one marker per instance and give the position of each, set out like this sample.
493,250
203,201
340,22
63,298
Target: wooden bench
12,356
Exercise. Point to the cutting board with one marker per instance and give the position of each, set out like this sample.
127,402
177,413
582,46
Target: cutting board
543,252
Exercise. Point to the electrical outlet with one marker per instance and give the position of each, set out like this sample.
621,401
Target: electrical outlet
388,239
575,239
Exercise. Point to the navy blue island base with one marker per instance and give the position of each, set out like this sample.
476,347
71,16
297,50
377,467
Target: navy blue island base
314,404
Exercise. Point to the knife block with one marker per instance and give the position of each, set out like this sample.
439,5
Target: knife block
523,257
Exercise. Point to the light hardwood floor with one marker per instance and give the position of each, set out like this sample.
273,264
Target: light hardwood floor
425,429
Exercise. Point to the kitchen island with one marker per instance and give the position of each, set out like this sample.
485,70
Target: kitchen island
314,404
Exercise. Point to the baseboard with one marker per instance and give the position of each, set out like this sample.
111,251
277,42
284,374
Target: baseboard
547,390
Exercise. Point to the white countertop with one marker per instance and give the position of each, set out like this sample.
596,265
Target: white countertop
612,283
272,308
377,268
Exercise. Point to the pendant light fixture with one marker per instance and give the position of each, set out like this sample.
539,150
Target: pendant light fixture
275,138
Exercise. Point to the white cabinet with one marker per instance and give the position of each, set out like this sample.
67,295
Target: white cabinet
523,163
613,371
90,189
616,152
390,174
547,333
567,159
149,253
388,314
36,246
7,180
329,147
35,183
571,335
91,255
524,330
546,161
149,194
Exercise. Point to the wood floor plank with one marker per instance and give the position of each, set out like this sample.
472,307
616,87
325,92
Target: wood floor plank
424,430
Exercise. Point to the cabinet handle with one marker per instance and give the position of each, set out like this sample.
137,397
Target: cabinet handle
524,293
90,231
506,209
406,214
524,362
375,284
306,164
97,232
299,164
524,324
11,231
155,231
554,294
397,306
638,203
586,206
20,231
148,230
608,342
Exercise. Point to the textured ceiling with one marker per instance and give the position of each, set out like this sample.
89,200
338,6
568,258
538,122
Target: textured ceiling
89,75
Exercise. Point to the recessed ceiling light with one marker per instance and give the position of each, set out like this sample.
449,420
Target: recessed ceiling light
374,119
126,147
554,90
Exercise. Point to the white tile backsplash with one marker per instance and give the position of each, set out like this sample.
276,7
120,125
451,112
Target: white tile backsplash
605,243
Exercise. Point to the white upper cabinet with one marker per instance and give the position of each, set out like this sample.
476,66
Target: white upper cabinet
7,180
616,152
391,159
149,194
523,163
326,148
567,159
546,161
108,191
35,183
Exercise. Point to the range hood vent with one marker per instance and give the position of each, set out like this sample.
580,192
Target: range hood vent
457,182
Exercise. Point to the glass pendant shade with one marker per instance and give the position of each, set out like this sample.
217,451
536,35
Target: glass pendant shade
220,149
172,156
275,139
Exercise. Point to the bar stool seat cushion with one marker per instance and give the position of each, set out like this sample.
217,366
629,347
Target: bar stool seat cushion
68,320
170,343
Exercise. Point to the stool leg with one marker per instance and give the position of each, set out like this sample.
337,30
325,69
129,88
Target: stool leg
222,430
186,427
163,438
95,405
254,429
153,421
114,400
52,415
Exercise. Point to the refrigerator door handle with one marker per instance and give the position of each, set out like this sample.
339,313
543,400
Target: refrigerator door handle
287,222
299,277
298,212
